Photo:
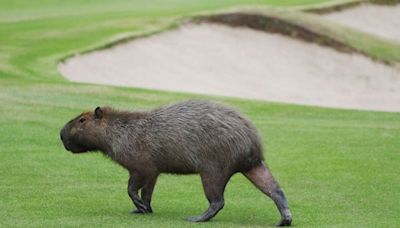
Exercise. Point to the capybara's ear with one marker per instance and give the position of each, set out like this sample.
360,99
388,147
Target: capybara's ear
98,113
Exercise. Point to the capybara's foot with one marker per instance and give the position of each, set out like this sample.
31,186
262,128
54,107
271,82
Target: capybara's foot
142,211
199,218
286,221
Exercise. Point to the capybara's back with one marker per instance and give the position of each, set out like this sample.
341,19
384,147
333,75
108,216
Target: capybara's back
197,136
188,137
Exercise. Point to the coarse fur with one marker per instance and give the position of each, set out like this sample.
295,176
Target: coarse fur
189,137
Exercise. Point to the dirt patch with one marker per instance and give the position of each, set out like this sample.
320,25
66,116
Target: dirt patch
348,5
380,20
384,2
275,25
242,62
334,8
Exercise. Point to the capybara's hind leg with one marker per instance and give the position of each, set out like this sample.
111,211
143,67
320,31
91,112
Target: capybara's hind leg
261,177
214,185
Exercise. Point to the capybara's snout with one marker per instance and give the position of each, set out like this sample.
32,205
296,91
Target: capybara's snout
73,142
68,142
63,137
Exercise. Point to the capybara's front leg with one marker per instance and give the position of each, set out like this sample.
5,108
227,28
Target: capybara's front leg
147,192
135,183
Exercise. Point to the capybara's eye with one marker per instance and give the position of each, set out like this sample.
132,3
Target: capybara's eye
81,120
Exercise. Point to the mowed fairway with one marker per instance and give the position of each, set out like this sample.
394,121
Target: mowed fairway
337,167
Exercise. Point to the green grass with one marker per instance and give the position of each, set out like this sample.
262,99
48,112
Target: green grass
338,167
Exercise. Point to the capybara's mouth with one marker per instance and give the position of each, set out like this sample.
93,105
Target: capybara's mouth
77,151
73,149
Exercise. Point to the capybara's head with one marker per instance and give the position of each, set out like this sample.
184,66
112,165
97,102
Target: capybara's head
85,132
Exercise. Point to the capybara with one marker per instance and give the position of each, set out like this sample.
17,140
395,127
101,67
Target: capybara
190,137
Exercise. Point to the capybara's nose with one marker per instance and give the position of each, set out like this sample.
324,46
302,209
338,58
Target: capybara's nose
61,134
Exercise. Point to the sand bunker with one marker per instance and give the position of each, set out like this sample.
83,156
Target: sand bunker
380,20
240,62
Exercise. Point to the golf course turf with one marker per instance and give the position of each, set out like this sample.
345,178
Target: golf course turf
337,167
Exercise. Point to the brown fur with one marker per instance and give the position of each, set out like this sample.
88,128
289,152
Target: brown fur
201,137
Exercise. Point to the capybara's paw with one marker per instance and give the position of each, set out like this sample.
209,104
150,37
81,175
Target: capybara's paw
287,221
137,212
142,211
196,219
